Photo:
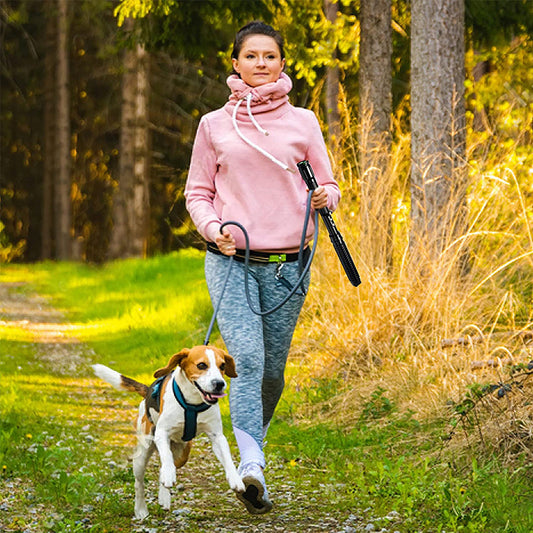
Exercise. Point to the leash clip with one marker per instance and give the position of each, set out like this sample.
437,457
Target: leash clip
279,268
282,279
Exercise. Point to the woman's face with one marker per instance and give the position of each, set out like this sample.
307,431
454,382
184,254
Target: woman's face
259,60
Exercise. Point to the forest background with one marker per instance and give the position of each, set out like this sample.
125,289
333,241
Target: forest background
98,119
427,110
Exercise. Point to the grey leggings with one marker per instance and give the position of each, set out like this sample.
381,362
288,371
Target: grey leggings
259,344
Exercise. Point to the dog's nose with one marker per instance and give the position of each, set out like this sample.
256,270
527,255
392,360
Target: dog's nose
218,385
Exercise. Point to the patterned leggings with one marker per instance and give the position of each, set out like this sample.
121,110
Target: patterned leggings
259,344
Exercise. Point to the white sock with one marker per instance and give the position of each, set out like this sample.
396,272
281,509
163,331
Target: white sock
249,450
265,429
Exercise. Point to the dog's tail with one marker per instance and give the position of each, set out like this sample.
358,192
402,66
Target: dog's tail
119,381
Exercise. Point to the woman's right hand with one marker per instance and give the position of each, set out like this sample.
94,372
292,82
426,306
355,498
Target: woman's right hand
225,242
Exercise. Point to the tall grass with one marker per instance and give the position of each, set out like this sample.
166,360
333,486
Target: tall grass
424,341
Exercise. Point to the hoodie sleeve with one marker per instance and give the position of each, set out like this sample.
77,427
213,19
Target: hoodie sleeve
200,186
317,155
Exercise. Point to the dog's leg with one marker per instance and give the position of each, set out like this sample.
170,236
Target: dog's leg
221,449
164,497
144,450
180,453
167,475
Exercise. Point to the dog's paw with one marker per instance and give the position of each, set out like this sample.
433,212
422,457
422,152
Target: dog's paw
167,477
164,497
235,483
141,513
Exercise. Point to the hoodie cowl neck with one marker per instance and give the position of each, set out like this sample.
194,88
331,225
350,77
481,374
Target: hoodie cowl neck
265,97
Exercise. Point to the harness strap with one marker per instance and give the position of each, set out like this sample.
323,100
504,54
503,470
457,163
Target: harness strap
191,413
153,398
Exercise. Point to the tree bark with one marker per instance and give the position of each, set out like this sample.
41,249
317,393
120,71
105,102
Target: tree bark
438,171
131,199
140,220
63,216
332,88
49,135
120,237
375,108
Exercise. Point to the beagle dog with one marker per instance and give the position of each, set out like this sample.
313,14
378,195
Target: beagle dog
180,403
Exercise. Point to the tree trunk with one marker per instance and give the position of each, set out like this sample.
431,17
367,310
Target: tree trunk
375,108
49,135
131,199
332,88
438,172
141,191
120,238
63,186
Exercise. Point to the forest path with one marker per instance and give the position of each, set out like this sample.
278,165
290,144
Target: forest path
201,499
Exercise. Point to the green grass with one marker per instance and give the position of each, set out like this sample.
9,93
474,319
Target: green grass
61,461
140,310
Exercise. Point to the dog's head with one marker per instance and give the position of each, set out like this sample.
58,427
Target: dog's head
204,367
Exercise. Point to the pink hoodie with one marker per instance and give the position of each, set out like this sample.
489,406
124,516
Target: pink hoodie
239,167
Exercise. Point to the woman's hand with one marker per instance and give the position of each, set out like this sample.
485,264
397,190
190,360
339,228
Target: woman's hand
319,198
225,242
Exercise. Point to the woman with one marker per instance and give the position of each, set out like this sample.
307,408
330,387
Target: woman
243,168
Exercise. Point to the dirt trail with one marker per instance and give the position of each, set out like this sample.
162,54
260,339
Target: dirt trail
201,500
30,312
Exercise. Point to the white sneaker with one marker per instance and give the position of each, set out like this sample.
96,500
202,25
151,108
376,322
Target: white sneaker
255,497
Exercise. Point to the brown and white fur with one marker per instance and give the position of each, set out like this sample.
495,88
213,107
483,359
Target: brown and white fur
199,374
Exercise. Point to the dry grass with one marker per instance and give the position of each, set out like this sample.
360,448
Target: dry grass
424,335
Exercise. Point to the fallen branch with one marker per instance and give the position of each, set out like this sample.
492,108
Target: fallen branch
446,343
524,335
494,363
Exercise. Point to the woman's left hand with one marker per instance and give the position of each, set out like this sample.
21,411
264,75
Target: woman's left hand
319,198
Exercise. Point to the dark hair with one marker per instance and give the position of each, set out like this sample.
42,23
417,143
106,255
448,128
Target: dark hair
254,28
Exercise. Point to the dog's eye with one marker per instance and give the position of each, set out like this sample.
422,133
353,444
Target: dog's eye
223,367
202,366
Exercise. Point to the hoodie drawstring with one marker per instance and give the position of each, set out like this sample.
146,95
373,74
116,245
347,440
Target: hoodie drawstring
258,127
252,118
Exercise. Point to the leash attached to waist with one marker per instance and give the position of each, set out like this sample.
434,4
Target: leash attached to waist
257,257
304,269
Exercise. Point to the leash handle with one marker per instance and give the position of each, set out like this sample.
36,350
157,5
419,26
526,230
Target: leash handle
334,234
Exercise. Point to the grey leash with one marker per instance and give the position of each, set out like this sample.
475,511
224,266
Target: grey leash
299,282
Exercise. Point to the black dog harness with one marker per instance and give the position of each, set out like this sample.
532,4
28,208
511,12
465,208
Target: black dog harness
191,410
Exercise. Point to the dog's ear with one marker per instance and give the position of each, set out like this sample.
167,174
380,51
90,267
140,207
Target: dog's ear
229,369
174,361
